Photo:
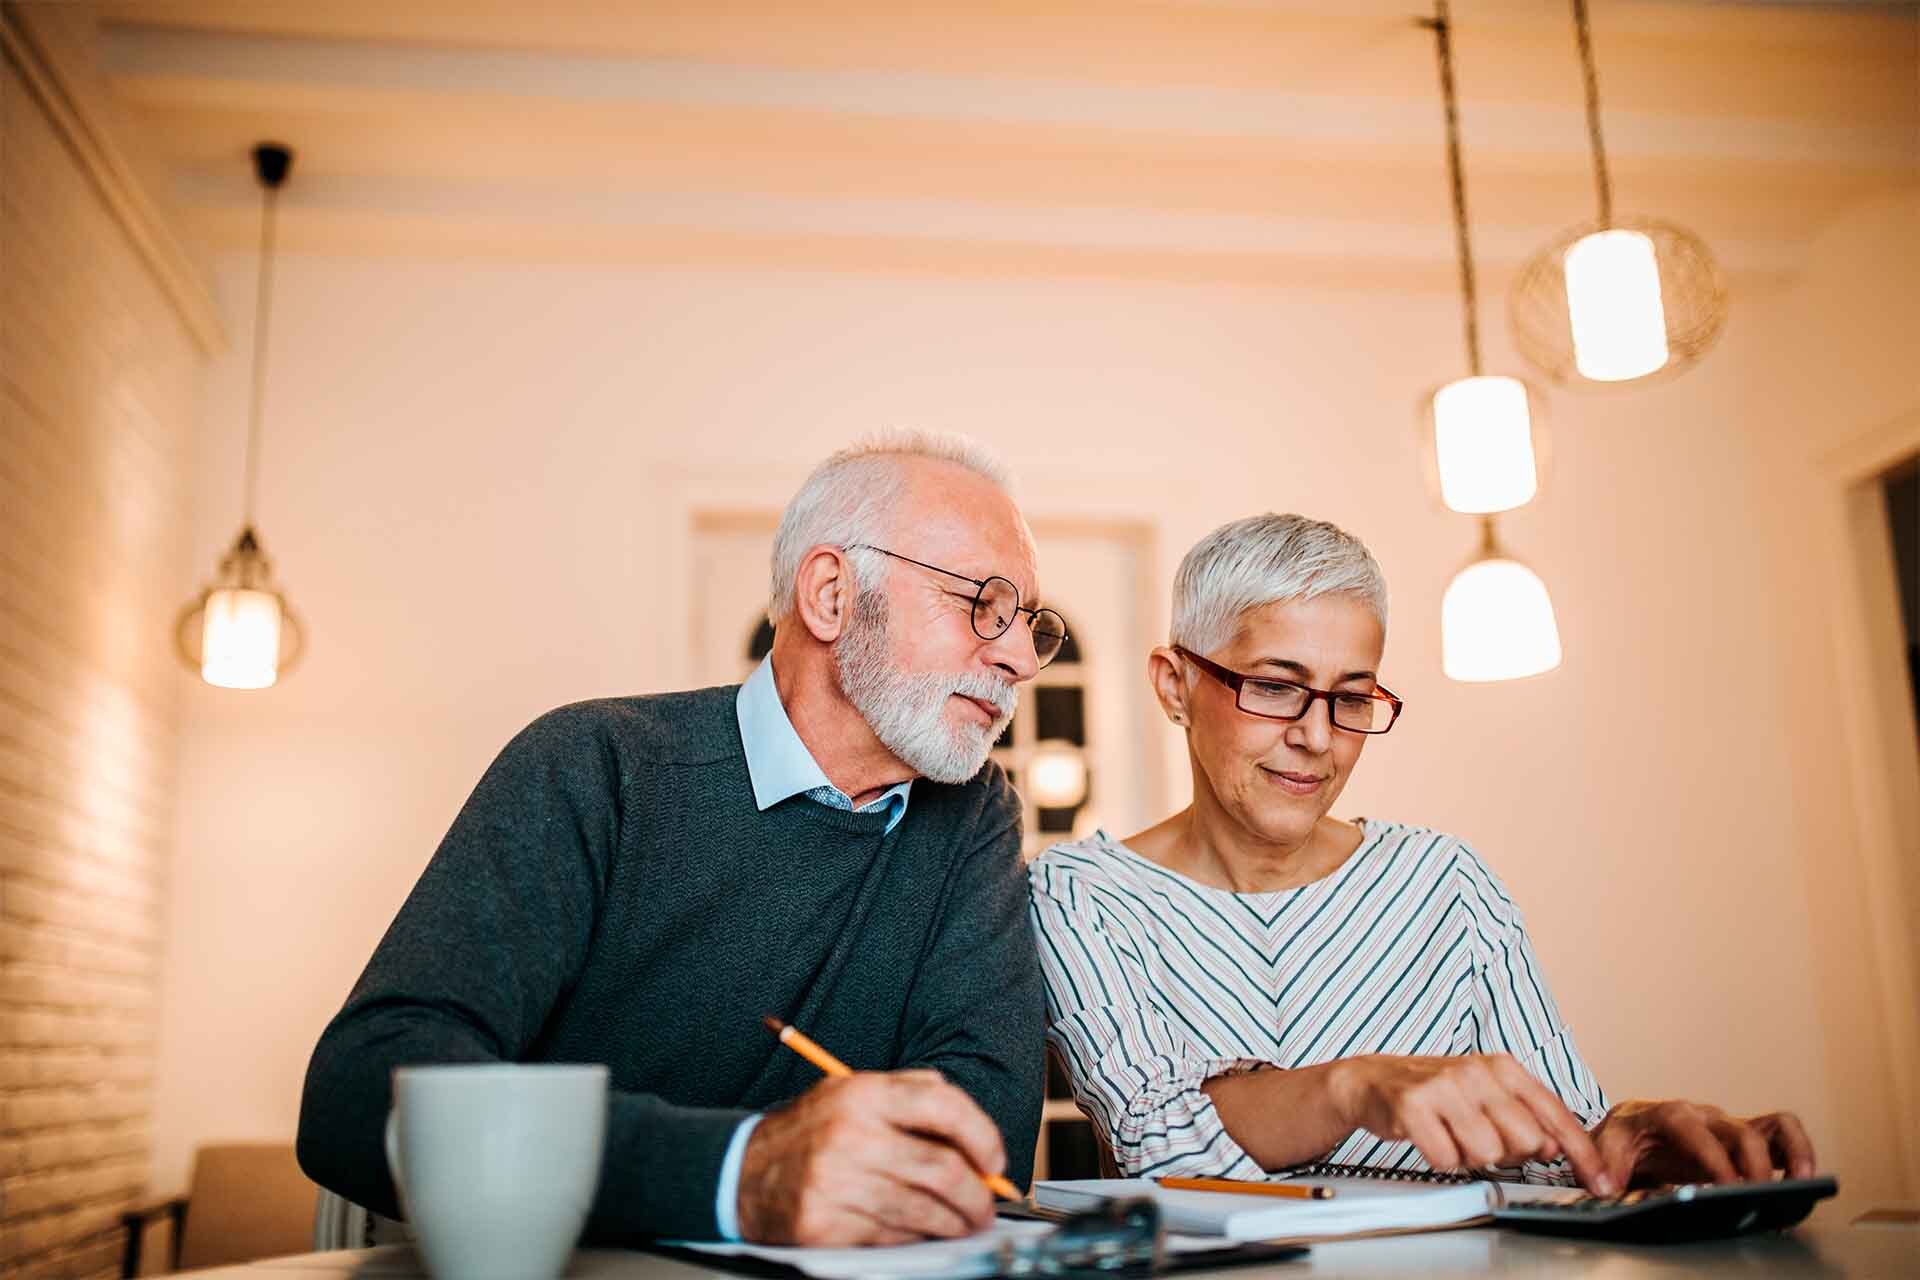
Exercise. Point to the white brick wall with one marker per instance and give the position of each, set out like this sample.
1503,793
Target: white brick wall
98,378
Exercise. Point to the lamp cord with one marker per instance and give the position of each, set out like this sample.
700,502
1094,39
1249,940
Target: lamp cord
263,305
1441,25
1603,185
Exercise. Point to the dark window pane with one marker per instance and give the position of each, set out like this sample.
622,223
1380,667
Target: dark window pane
1072,1150
1069,648
762,642
1060,713
1056,821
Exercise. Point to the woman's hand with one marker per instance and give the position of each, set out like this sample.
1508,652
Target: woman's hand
1466,1113
1654,1143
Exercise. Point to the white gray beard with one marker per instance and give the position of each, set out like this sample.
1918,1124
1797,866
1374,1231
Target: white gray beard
907,710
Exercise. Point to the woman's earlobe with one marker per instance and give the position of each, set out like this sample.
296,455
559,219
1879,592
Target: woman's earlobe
1163,674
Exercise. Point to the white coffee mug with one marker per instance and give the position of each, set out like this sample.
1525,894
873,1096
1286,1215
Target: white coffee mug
497,1164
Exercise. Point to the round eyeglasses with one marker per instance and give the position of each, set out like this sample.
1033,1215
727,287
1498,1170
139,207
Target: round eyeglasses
1371,712
996,603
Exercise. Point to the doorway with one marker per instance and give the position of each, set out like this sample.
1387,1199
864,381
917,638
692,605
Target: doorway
1902,486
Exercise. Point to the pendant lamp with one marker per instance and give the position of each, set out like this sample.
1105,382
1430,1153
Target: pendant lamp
1618,299
1496,619
1482,428
1057,775
239,632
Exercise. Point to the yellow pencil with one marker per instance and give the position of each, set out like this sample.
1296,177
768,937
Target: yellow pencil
796,1040
1287,1190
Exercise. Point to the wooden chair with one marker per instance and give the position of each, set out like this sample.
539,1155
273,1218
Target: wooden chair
245,1200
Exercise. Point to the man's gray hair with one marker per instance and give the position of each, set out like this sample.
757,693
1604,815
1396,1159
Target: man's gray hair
849,499
1263,560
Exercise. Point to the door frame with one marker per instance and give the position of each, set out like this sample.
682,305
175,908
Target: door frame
1881,739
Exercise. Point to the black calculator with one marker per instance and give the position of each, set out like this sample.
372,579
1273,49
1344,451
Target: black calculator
1666,1214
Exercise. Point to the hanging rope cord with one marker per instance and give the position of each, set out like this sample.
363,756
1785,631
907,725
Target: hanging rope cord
263,299
1441,24
1603,185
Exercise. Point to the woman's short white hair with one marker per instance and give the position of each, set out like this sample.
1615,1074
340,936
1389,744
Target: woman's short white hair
849,499
1264,560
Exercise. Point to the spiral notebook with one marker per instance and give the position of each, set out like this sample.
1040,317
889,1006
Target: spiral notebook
1363,1202
1322,1169
1501,1191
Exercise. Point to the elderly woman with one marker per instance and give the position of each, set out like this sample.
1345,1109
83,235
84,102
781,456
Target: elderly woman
1253,984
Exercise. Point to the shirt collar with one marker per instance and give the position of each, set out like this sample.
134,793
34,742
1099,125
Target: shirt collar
778,763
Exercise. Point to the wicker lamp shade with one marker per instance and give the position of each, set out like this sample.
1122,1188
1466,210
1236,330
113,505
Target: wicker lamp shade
1692,299
1646,300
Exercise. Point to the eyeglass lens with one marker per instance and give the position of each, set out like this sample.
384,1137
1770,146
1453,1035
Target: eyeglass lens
995,608
1358,712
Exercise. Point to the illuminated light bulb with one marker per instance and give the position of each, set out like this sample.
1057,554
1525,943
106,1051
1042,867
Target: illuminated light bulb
240,639
1057,775
1496,623
1483,443
1613,303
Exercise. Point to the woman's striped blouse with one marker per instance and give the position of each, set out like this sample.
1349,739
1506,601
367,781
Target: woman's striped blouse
1156,983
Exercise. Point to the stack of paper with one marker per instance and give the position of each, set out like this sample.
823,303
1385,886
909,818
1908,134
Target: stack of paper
1358,1205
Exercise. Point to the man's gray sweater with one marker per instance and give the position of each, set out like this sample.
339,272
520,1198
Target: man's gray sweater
609,893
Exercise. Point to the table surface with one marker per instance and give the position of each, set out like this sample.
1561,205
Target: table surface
1816,1248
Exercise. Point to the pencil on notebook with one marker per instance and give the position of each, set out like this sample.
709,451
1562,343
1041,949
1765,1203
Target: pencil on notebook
1285,1190
798,1041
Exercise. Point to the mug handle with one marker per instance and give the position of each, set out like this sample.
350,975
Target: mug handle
393,1151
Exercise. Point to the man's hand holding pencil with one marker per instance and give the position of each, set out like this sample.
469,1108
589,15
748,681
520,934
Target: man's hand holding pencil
870,1158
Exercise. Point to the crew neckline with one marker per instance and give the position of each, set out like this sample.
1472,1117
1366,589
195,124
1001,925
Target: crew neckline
1370,833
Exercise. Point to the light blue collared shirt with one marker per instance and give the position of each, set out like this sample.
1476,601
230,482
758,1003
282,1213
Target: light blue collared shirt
780,767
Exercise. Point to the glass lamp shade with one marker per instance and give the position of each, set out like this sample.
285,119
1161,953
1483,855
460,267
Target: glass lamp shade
1483,444
1057,775
239,633
240,639
1613,305
1496,623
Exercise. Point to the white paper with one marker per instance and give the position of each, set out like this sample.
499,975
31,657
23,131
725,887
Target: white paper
1359,1204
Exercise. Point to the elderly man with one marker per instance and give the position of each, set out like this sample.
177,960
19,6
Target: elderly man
637,881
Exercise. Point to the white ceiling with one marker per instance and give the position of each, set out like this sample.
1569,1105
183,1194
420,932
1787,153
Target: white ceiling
1293,143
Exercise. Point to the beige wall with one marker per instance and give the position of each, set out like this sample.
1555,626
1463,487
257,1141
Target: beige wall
1841,403
99,370
479,484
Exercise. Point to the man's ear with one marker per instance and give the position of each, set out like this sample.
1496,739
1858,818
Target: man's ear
1167,674
823,593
